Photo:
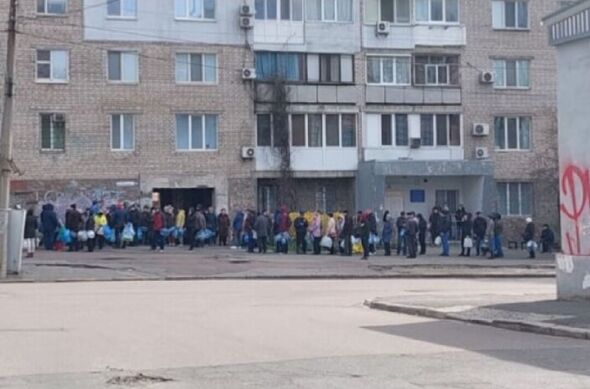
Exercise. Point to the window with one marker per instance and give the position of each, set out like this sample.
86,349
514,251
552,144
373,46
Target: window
440,130
515,198
289,66
51,7
122,132
122,8
417,196
388,70
395,11
329,10
52,65
279,9
196,132
436,70
53,132
325,198
436,11
511,73
330,68
123,66
510,14
194,9
512,133
196,68
263,128
298,130
449,198
314,130
394,127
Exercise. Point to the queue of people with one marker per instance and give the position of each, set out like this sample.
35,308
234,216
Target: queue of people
341,233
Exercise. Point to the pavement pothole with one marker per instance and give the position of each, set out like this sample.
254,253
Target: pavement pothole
137,379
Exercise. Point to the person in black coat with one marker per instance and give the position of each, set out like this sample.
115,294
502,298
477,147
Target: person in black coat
73,223
422,228
547,239
480,226
301,225
466,232
346,233
90,227
31,226
529,237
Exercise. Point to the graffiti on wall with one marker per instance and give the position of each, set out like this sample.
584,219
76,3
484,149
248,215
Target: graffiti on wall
575,209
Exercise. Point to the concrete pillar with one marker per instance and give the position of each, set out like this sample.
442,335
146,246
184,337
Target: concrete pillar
370,188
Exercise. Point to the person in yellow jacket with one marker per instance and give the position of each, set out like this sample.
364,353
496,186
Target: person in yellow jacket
180,223
100,220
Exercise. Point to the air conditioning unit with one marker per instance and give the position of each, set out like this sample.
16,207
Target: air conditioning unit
59,117
482,153
248,152
481,129
248,74
415,143
245,10
246,22
487,77
383,27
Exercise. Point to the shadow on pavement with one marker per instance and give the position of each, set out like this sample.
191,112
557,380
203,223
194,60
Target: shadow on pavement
567,313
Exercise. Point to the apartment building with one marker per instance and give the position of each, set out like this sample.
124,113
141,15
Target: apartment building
391,104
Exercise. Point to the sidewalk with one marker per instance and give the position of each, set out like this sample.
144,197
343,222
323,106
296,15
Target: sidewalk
537,313
178,263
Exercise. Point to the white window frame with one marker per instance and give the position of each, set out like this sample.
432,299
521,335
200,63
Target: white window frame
203,68
279,17
190,135
516,15
123,52
435,133
187,16
122,131
46,9
519,62
336,7
121,8
518,129
52,129
437,66
444,10
395,21
520,203
52,80
381,69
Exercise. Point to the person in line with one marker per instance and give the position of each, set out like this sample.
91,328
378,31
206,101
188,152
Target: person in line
480,226
547,239
445,231
73,222
346,234
237,225
120,219
180,226
169,224
100,221
434,221
249,230
364,231
282,225
401,225
90,228
135,220
411,235
459,218
49,225
497,231
144,226
466,234
200,224
529,237
422,228
191,220
31,226
261,228
387,233
315,230
223,226
211,223
373,228
157,227
331,232
301,227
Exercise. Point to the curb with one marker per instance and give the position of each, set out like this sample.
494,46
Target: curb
283,277
513,325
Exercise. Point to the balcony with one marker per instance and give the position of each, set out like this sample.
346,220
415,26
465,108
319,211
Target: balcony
409,36
312,94
279,32
413,95
306,159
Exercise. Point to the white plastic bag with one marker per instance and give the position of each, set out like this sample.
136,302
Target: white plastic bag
326,242
438,241
468,242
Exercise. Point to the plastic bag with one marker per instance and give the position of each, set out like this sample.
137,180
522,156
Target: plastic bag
468,242
326,242
438,241
82,236
128,233
204,235
373,239
531,245
90,234
357,248
65,236
109,234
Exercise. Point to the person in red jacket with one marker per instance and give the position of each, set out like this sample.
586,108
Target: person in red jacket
157,226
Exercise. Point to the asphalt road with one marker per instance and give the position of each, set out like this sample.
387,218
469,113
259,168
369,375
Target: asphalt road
268,334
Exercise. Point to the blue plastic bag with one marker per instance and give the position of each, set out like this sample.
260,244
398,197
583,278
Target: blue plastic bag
65,235
109,233
204,235
128,233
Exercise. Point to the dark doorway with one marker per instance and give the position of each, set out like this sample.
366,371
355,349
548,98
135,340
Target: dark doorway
185,198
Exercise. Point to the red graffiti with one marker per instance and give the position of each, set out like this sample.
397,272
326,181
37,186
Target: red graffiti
575,200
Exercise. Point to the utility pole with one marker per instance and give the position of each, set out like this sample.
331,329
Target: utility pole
6,138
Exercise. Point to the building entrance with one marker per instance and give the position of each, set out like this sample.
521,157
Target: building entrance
185,198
